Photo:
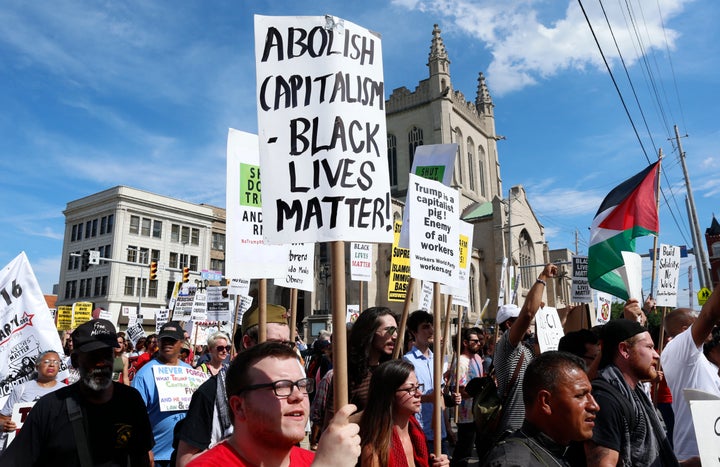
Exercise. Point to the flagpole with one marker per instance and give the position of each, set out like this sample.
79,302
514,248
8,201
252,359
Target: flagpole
655,240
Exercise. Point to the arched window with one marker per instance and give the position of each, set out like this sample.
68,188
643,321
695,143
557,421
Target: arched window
526,256
458,159
471,293
392,159
415,139
481,170
471,164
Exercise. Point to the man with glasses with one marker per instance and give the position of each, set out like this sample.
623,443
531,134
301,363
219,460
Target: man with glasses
470,366
171,337
47,366
268,397
420,325
94,421
208,418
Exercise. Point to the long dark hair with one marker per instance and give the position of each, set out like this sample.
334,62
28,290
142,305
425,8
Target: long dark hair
376,424
360,341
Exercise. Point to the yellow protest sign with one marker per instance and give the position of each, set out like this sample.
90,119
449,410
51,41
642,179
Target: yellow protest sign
64,318
399,269
82,312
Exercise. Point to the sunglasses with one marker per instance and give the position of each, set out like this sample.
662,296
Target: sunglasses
224,348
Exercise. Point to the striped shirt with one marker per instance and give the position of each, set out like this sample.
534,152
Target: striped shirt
505,361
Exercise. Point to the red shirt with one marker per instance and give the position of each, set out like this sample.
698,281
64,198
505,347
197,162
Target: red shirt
225,455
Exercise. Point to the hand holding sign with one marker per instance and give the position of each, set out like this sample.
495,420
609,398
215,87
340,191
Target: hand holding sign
340,444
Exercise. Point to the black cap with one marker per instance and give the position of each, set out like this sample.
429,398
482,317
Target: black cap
614,332
172,330
93,335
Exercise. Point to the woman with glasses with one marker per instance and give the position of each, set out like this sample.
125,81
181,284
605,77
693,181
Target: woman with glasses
47,367
219,349
391,435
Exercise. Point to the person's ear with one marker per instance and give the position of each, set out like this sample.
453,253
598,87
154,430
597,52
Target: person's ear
237,407
544,401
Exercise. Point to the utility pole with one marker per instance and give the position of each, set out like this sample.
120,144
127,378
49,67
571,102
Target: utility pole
701,258
576,242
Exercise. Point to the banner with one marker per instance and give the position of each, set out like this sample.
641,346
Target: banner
247,255
668,276
361,261
434,237
321,122
300,273
580,285
26,327
399,269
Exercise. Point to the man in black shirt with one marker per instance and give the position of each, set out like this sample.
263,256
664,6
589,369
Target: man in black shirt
93,422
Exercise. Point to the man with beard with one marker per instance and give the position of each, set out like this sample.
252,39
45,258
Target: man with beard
627,429
268,397
470,367
171,337
95,421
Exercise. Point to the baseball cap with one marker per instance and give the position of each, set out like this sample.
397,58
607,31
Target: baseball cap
93,335
172,330
275,314
614,332
506,312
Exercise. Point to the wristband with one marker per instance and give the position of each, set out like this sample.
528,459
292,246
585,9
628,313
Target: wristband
540,281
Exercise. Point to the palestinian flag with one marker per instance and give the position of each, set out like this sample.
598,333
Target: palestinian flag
627,212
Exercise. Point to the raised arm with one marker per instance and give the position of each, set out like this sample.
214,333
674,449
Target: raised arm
709,317
532,304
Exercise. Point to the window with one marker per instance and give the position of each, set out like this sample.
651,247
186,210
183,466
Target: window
94,228
154,255
144,256
105,251
218,241
193,263
152,289
141,287
145,227
173,260
72,261
130,286
175,233
415,139
218,265
471,281
132,254
88,229
103,288
81,289
526,259
185,236
195,237
716,249
79,231
73,235
471,164
183,261
68,289
103,225
481,168
111,223
157,229
170,288
392,159
134,224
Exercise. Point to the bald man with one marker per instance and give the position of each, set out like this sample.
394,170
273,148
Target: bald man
686,366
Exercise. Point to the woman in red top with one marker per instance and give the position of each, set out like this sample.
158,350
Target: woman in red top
391,435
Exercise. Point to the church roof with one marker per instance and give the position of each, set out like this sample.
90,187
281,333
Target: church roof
714,228
477,211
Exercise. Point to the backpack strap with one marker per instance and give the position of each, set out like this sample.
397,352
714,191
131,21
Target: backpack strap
628,411
76,420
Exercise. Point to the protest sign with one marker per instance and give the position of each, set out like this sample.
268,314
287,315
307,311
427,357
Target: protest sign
82,313
183,308
501,292
352,313
631,274
105,314
434,229
245,304
548,328
361,261
26,327
668,276
65,318
426,296
321,121
603,307
176,385
580,285
218,304
433,162
199,307
461,295
161,317
239,287
300,268
706,421
20,411
399,269
247,255
135,332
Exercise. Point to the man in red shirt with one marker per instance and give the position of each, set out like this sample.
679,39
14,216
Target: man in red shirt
268,397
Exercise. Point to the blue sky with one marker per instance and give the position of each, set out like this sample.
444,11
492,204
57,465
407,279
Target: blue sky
99,94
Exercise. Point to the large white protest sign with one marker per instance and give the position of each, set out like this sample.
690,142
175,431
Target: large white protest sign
176,385
361,261
300,273
434,237
26,326
580,286
247,255
461,295
549,328
218,304
433,162
183,308
706,421
199,307
668,275
321,121
20,411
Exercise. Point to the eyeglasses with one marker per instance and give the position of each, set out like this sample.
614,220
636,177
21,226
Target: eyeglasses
413,389
224,348
51,362
390,330
284,387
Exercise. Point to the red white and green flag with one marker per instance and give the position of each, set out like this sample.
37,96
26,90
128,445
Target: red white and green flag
627,212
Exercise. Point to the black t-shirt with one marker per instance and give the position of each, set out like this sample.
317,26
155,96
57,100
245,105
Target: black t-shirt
198,423
115,430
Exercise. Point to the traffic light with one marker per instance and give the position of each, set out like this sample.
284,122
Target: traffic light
186,275
153,271
85,262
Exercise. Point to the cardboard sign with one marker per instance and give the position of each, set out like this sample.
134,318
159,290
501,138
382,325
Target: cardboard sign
361,261
549,328
434,236
176,385
321,121
668,276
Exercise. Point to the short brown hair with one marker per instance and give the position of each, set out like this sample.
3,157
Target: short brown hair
237,374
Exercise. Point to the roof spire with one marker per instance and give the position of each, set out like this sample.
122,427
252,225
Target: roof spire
437,48
483,101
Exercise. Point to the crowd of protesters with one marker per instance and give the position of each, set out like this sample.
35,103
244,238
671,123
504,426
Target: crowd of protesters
592,402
